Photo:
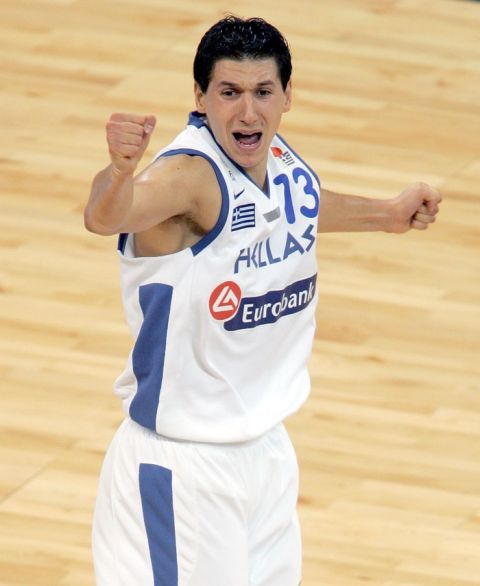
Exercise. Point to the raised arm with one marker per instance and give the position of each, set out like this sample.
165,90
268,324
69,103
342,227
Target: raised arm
416,207
172,186
112,193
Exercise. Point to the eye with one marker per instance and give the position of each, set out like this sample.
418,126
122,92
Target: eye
263,93
228,93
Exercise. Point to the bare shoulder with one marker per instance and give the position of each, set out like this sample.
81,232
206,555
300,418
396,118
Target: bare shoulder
188,186
186,169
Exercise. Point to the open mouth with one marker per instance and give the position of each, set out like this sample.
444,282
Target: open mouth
247,140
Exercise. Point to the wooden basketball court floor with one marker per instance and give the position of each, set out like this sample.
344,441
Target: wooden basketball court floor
386,92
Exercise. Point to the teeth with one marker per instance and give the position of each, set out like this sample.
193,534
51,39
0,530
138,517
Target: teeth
248,139
245,134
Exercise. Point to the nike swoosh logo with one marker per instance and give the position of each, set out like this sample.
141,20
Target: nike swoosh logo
237,195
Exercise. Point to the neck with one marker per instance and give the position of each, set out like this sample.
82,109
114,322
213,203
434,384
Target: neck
259,178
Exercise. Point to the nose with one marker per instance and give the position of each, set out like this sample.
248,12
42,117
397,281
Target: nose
248,113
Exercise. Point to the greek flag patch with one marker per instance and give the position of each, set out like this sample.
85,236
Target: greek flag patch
243,217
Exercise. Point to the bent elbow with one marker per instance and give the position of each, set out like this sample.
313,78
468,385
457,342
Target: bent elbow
92,225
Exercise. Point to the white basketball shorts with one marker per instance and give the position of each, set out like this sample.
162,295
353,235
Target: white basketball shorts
172,513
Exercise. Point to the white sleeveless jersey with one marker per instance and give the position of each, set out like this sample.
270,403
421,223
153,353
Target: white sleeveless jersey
223,330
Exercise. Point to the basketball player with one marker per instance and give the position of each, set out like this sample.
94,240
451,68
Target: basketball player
217,252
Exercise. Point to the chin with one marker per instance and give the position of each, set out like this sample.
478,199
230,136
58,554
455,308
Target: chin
247,162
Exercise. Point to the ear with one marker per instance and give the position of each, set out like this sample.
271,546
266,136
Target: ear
288,96
199,98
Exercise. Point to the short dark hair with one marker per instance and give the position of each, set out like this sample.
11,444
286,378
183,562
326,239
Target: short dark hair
238,38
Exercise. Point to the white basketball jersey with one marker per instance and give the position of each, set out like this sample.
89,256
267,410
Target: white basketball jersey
223,330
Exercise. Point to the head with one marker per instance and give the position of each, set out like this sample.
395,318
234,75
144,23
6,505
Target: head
242,75
238,39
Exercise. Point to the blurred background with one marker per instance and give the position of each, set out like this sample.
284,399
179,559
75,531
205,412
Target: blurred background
386,92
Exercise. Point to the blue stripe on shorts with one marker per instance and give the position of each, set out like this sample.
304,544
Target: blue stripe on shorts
157,504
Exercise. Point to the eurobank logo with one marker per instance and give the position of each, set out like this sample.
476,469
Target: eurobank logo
224,300
239,314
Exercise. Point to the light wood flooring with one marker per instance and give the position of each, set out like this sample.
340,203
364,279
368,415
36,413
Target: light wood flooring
386,92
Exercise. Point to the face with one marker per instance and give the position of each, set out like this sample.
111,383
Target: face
244,104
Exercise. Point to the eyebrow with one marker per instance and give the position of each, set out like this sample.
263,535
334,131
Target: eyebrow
267,82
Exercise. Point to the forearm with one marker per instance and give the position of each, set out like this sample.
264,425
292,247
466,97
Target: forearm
416,207
110,202
350,213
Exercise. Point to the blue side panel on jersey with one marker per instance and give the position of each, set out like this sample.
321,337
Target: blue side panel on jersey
149,353
210,237
157,504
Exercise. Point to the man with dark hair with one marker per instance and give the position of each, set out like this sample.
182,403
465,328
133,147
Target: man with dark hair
217,235
233,38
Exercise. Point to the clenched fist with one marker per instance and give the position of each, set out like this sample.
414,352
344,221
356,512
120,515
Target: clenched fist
416,208
128,136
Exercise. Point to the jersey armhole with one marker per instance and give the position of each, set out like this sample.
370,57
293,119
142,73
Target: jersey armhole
222,217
